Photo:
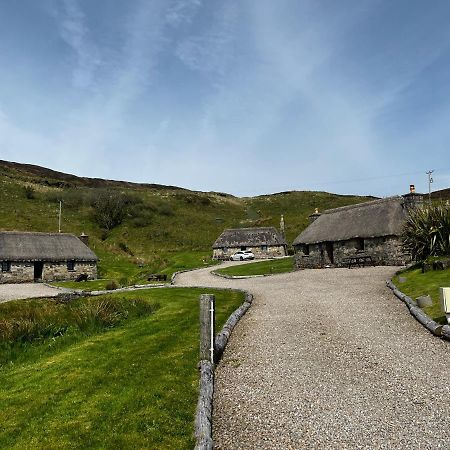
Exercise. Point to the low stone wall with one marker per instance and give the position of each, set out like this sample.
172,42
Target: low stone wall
271,252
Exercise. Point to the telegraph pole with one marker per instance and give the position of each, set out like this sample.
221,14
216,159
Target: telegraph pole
59,217
430,180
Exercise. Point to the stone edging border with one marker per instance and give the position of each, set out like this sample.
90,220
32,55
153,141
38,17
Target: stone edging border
203,415
442,331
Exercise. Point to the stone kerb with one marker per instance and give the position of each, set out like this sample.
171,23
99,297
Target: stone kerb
439,330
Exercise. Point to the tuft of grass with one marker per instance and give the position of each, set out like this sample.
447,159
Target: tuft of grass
428,283
132,386
267,267
31,321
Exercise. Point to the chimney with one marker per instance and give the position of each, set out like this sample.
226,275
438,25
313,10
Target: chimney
314,215
413,199
84,238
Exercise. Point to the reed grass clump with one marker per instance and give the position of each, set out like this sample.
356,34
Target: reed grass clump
30,321
427,232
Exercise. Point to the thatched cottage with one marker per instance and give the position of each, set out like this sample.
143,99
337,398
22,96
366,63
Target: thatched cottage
29,256
372,228
264,242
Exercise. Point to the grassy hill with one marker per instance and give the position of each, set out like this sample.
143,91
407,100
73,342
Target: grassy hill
165,228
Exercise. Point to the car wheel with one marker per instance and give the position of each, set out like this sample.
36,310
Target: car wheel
242,258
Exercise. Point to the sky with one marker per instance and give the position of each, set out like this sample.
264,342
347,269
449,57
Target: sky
240,96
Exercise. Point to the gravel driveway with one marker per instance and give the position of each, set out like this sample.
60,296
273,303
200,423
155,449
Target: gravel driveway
25,290
329,359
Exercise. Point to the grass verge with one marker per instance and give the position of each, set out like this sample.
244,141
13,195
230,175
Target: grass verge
267,267
127,274
428,283
130,384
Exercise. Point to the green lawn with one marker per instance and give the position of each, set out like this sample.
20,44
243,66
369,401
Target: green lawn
91,285
126,379
129,274
418,283
267,267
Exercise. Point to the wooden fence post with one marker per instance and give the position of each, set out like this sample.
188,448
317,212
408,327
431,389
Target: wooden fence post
207,319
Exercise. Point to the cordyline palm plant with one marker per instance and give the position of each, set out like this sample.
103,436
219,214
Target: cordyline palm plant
427,232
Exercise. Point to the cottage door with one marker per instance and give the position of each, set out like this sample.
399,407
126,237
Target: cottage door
330,252
38,268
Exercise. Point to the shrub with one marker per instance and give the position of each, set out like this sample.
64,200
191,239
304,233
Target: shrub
123,246
427,232
110,208
112,285
30,193
166,210
123,281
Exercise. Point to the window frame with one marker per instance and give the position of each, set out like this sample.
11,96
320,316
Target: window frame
5,266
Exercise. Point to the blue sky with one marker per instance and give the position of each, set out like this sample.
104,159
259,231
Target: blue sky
241,96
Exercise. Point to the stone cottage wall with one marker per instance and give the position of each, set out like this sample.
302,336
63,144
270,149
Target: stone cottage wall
57,271
23,272
271,252
385,251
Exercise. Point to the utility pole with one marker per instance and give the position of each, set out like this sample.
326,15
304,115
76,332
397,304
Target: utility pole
59,217
430,180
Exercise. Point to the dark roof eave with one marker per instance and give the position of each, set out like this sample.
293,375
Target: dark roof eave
299,242
248,244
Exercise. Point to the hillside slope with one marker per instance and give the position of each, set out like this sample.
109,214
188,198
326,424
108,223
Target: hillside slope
164,228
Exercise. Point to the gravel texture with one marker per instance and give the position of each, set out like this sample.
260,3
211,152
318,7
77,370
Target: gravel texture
26,290
328,359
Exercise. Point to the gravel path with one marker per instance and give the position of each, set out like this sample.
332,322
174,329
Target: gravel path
25,290
329,359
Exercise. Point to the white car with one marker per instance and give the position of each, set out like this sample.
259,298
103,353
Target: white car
242,255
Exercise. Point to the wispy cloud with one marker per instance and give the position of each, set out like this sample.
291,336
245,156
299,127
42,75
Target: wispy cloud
74,31
211,50
182,12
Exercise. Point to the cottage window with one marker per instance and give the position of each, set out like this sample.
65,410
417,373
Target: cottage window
71,265
305,249
225,249
243,248
6,266
360,244
264,248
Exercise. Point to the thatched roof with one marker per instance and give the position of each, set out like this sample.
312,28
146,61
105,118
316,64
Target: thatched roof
377,218
29,246
237,237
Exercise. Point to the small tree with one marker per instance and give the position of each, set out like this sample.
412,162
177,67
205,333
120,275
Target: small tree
427,232
110,208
